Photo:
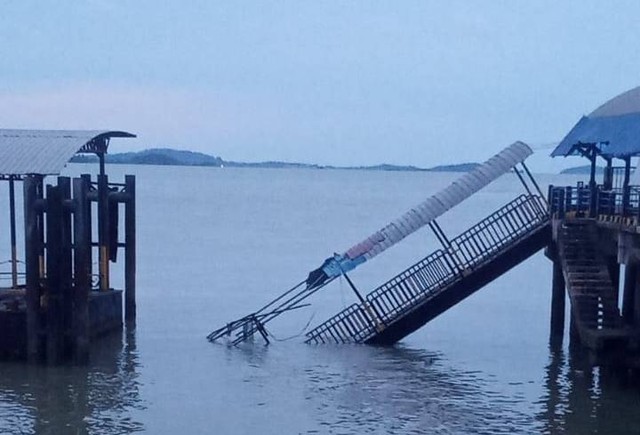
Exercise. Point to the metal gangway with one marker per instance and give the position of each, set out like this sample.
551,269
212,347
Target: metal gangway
442,279
432,285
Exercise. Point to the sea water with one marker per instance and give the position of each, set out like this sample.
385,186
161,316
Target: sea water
216,244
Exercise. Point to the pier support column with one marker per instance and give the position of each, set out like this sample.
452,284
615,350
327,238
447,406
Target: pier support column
82,267
614,273
12,228
574,334
635,317
557,300
130,250
66,263
54,282
629,294
32,265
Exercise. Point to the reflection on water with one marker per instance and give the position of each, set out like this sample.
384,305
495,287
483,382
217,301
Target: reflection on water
409,391
79,400
582,398
361,389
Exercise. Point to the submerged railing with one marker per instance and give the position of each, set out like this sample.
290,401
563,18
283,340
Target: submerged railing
244,328
422,281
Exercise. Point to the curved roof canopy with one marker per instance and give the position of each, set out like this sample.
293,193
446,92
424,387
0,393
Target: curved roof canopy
46,152
614,128
428,210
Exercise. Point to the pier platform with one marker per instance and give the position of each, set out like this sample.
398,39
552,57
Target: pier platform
61,296
105,316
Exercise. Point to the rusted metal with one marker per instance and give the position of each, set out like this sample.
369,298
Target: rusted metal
103,231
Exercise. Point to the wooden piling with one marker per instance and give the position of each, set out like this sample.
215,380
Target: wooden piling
12,229
557,300
59,272
65,262
32,266
82,267
54,290
130,249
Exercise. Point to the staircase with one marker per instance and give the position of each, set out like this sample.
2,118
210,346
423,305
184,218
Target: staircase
441,280
591,291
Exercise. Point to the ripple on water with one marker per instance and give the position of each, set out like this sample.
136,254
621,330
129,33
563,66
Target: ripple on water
367,390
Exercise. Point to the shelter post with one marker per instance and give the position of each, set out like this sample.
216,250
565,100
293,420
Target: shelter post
608,174
625,185
103,231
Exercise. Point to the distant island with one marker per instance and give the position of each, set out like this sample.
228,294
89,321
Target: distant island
173,157
582,170
460,167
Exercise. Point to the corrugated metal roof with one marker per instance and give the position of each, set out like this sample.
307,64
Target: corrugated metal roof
614,127
623,104
428,210
46,152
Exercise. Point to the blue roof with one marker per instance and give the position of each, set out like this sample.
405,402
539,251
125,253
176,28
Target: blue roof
616,136
614,127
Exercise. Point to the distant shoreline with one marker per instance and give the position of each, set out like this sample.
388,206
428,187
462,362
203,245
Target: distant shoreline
172,157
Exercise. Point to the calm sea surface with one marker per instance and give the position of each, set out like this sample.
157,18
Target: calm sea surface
216,244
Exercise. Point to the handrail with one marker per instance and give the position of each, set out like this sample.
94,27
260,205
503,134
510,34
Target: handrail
247,326
434,273
581,201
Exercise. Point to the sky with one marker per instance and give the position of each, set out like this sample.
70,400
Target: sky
341,82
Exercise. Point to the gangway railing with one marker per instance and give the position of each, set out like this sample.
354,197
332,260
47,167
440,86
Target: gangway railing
244,328
456,258
433,274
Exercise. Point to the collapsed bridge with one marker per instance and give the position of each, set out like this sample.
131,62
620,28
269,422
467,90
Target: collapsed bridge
434,284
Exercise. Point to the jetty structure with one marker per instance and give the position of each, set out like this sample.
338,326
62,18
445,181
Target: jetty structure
595,230
56,301
590,231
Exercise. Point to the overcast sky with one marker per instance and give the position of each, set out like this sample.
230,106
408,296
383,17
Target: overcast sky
342,82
